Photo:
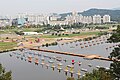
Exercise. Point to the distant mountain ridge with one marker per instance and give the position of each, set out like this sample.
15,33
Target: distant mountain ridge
115,14
118,8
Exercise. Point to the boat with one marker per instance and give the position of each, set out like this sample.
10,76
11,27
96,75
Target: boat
85,70
82,47
90,65
36,61
88,42
78,73
71,70
59,58
80,43
29,58
47,65
106,48
98,43
97,66
50,61
70,66
86,46
90,45
60,64
52,66
10,55
42,63
110,47
59,68
65,60
66,69
42,59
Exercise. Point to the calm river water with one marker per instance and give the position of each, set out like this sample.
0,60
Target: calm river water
24,70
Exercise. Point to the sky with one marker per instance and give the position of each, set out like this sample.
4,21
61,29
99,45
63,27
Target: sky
12,7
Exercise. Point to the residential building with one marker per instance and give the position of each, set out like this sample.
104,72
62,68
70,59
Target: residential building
53,23
106,18
38,19
97,19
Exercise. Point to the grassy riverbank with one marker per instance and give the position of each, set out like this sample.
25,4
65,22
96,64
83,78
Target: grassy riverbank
7,45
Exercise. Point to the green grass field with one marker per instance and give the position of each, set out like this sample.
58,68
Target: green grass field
7,45
70,35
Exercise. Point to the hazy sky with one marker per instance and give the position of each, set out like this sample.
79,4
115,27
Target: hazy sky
12,7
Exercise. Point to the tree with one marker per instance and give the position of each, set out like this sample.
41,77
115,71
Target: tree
5,75
100,74
116,35
115,54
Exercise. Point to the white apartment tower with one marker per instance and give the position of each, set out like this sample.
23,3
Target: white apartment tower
90,20
97,19
106,18
37,19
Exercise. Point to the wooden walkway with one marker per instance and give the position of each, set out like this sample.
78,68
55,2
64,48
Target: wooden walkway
89,57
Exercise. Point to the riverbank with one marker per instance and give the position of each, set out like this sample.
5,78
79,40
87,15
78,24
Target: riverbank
8,43
4,46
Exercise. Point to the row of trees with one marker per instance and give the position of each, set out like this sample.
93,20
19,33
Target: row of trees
48,26
115,65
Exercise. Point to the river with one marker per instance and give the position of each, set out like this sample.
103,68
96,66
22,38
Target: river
24,70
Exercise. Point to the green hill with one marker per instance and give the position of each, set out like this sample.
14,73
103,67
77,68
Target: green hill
115,14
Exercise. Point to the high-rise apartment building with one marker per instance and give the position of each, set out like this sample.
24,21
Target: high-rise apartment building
97,19
106,18
37,19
